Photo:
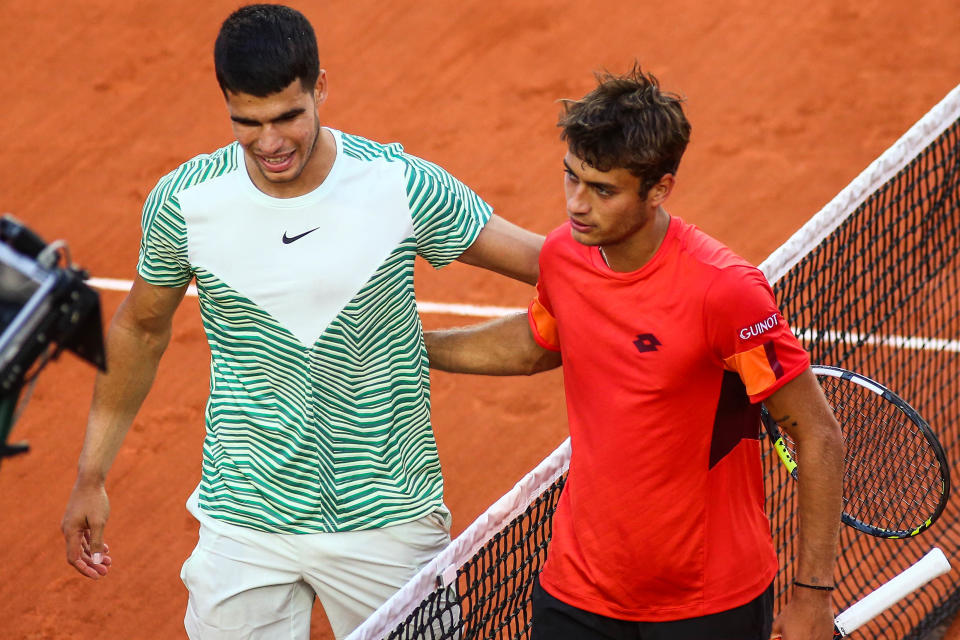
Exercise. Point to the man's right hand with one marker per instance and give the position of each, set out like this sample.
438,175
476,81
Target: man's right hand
83,522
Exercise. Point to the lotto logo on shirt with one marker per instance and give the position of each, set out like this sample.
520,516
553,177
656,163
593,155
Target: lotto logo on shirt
646,342
759,328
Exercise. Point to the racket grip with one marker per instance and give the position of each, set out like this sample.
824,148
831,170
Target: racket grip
927,568
930,566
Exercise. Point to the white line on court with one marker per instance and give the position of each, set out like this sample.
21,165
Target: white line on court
894,341
113,284
916,343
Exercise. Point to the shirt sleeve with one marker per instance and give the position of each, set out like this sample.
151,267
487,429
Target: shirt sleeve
543,324
749,334
163,243
447,215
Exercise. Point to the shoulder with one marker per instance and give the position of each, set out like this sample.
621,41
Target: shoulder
704,249
714,261
724,274
558,240
564,261
364,149
739,282
197,170
392,157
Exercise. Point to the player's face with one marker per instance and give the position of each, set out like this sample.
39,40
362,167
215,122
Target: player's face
605,207
279,135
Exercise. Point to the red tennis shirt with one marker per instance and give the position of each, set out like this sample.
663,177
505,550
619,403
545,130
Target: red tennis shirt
662,516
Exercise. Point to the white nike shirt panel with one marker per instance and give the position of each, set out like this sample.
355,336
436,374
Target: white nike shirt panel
237,232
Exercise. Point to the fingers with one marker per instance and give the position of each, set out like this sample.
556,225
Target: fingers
100,560
74,542
81,557
97,548
90,568
82,527
93,571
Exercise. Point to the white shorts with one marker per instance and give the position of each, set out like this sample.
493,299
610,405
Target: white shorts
247,584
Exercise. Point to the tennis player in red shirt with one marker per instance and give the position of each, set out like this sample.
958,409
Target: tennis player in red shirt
669,343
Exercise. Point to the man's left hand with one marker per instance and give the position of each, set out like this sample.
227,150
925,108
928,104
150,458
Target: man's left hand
808,616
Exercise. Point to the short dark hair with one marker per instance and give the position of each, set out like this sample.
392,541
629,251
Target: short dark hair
262,48
627,122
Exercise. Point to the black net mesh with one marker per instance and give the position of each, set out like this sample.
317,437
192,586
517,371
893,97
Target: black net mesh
491,596
877,296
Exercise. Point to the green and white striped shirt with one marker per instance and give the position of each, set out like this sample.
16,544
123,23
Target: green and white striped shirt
319,410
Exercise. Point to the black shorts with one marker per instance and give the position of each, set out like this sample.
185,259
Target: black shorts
556,620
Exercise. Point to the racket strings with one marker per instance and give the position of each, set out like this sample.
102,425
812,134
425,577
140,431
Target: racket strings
892,478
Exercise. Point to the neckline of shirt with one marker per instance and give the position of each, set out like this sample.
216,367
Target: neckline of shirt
308,198
601,265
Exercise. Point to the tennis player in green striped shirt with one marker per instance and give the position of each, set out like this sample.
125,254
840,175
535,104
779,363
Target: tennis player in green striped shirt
320,472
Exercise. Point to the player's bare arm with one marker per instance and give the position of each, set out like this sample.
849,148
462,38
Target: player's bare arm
500,347
138,336
801,409
507,249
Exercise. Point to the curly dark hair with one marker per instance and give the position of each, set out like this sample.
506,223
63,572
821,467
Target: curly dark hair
627,122
262,48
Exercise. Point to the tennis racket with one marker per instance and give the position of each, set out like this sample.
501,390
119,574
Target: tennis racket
896,480
886,595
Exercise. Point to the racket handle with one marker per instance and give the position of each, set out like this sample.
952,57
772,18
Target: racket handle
927,568
921,572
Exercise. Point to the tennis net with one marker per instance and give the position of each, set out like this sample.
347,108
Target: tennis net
870,284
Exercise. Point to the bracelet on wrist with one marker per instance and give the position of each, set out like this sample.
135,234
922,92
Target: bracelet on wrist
816,587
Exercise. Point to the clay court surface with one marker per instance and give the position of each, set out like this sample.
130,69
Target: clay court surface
788,102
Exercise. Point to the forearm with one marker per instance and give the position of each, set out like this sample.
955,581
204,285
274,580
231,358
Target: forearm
820,504
809,612
801,410
133,355
499,347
